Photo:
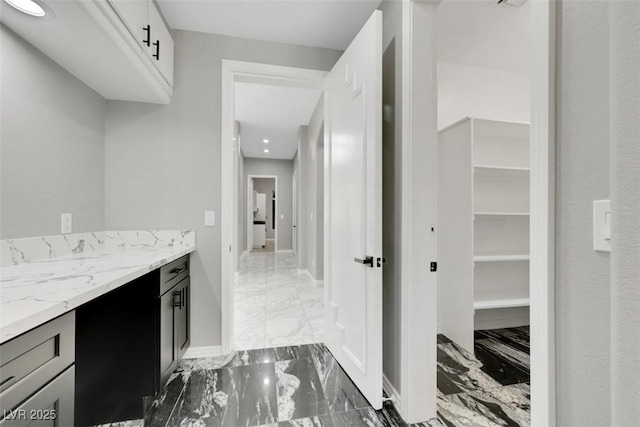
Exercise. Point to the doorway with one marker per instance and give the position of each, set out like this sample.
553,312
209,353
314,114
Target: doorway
262,213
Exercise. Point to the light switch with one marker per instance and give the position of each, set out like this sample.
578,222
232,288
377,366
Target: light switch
66,223
209,218
602,225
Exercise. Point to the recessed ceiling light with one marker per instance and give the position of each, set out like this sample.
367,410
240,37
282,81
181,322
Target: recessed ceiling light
27,6
266,141
266,151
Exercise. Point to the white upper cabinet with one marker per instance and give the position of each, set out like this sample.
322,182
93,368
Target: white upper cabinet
161,48
104,44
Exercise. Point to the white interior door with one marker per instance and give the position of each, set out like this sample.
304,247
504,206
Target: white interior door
353,206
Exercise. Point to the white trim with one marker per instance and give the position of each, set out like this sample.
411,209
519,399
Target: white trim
269,240
542,228
244,253
418,323
391,391
231,72
285,251
199,352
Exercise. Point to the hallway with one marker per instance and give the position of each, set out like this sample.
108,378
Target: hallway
275,305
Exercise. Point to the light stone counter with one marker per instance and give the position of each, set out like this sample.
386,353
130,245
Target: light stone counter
44,277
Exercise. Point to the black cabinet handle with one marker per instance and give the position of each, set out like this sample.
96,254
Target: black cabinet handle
147,30
157,54
178,303
177,271
368,260
183,300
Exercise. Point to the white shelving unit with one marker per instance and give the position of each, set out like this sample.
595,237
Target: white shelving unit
483,230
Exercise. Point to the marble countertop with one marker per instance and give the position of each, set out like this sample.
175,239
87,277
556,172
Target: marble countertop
36,291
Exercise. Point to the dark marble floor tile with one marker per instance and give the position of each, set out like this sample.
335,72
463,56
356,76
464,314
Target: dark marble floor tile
163,406
496,365
341,393
205,399
390,416
293,352
254,357
517,338
206,363
240,396
442,339
359,418
516,357
463,369
256,398
299,391
318,421
481,408
445,384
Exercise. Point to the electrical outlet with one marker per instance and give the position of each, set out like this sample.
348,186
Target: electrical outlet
66,223
209,218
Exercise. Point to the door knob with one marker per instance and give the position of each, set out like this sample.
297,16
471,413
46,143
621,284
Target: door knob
368,260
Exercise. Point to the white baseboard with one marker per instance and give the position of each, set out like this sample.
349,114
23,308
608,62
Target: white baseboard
319,282
284,251
270,240
392,392
310,276
198,352
244,253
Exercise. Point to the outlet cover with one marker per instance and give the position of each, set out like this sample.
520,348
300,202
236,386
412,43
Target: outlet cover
66,223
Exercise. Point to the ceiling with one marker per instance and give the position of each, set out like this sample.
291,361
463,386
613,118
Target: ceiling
273,113
481,33
322,23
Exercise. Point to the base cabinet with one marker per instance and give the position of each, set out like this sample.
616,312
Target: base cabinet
52,406
174,316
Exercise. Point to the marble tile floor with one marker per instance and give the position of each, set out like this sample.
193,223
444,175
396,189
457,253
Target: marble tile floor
274,304
284,387
488,388
269,246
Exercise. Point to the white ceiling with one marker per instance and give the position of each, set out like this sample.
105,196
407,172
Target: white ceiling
482,33
322,23
273,113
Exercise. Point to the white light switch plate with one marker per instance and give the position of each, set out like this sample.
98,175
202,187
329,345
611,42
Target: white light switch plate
66,223
602,225
209,218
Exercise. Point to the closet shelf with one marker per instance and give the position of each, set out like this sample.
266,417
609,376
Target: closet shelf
497,258
496,213
500,299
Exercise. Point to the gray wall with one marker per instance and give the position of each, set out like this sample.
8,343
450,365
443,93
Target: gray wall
391,189
163,162
52,151
582,275
309,170
283,170
267,186
625,203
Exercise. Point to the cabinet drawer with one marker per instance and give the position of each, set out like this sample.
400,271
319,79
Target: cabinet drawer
31,360
173,273
52,406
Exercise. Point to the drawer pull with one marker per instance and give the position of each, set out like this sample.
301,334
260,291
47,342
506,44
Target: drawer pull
178,270
177,303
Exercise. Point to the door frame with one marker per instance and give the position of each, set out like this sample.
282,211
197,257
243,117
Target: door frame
294,216
250,201
542,207
244,72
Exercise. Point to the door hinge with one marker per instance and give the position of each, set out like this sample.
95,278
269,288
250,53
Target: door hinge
434,266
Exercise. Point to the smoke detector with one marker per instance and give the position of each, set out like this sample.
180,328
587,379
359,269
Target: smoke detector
514,3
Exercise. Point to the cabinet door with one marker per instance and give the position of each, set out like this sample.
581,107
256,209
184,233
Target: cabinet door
182,318
161,44
135,15
168,355
52,406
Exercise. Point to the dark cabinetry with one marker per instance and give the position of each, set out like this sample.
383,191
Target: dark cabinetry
37,375
174,315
